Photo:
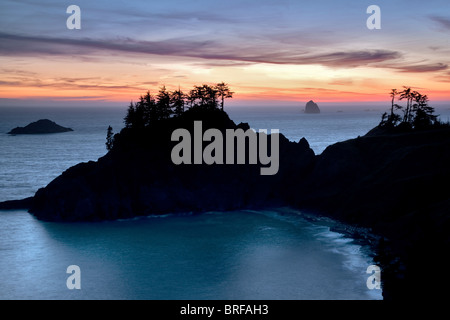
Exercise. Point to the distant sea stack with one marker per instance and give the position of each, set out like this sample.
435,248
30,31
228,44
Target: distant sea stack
312,107
40,127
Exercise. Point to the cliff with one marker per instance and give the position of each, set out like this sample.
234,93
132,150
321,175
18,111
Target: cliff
40,127
397,185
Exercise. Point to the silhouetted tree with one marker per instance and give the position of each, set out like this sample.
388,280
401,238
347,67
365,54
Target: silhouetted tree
393,94
418,114
140,114
210,97
391,120
203,97
163,104
150,109
150,112
177,101
408,95
424,116
130,117
224,92
192,97
200,96
109,138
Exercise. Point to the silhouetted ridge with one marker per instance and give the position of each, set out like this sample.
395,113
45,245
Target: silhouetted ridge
138,177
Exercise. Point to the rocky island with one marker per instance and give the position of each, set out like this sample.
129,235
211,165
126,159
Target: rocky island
312,107
42,126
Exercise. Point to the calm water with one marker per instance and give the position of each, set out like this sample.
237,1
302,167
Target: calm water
232,255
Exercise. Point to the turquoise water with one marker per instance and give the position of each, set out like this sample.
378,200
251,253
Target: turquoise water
231,255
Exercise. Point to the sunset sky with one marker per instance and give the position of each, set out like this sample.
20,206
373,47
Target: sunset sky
269,52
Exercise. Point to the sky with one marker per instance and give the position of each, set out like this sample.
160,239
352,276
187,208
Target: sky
269,52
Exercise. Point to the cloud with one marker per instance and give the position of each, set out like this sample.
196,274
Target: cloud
223,63
340,59
74,83
432,67
25,45
353,58
341,82
31,45
441,21
443,77
18,72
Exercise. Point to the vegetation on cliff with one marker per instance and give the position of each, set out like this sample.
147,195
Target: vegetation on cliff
166,104
417,113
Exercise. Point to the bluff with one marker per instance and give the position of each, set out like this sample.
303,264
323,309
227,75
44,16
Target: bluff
40,127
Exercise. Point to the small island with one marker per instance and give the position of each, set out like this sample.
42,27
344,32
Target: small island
42,126
312,107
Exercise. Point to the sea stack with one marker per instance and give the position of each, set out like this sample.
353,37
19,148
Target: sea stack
40,127
312,107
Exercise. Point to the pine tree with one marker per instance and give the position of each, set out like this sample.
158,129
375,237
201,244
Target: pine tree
130,117
109,138
164,110
224,92
177,101
210,96
149,108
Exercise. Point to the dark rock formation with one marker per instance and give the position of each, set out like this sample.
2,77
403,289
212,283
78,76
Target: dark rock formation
138,177
40,127
23,204
312,107
397,185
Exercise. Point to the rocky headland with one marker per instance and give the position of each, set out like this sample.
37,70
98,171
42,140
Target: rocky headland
138,177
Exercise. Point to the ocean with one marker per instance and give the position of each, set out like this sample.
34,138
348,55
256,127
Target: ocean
273,254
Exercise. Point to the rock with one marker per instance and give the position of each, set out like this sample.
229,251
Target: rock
40,127
138,177
394,184
23,204
312,107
